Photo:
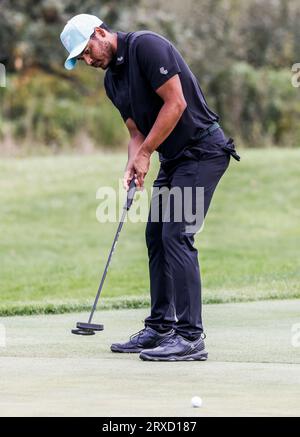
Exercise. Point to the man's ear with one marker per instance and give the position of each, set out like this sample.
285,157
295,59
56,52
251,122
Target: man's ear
100,32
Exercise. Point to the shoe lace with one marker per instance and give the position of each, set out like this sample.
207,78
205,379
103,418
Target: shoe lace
171,339
137,334
174,336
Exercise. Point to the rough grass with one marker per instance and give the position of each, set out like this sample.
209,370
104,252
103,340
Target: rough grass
53,250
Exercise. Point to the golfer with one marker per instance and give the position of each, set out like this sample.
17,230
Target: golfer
164,109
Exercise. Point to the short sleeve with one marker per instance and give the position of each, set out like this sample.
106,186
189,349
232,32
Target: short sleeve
156,58
125,116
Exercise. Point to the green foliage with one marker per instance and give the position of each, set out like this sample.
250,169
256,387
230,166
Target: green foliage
215,34
241,52
58,113
30,29
258,105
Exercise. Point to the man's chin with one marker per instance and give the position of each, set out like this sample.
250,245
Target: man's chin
103,67
97,65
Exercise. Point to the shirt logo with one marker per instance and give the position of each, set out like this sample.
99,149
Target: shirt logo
120,59
163,71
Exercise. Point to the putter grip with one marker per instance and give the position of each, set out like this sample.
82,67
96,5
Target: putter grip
130,195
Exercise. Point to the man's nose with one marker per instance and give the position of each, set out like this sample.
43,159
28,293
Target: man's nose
87,59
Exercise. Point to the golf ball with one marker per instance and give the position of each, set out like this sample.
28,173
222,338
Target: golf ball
196,402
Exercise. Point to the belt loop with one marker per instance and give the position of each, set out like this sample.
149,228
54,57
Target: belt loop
210,130
213,128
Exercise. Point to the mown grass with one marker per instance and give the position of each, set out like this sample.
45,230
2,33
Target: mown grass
53,250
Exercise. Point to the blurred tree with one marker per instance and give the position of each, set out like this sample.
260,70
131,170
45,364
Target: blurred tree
240,50
214,33
210,33
30,29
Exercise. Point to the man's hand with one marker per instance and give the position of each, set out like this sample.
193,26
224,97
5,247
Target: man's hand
135,143
137,168
128,175
140,166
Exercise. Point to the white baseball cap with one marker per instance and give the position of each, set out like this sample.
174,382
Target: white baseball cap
76,35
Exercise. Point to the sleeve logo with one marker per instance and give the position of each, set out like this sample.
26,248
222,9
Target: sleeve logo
163,71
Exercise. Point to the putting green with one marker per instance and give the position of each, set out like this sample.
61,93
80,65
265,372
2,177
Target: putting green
253,369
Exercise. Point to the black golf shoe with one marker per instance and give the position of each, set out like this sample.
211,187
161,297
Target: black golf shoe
176,348
147,338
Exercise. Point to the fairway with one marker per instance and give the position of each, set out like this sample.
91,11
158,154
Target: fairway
253,369
53,250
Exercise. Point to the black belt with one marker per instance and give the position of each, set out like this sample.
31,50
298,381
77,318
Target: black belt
210,130
229,146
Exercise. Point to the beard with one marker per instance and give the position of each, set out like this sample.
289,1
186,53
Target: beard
107,55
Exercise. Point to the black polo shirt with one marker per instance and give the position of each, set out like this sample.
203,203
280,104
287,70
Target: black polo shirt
143,63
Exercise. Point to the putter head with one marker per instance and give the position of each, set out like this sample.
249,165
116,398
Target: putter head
89,326
87,329
82,332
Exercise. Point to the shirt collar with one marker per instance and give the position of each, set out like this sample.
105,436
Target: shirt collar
120,56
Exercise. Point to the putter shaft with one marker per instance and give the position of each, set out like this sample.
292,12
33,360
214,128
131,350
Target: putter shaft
130,196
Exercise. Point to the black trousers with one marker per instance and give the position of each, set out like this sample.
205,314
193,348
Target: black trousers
175,282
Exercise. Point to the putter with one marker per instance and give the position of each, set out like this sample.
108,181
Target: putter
91,328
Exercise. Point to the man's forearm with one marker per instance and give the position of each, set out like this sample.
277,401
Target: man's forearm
134,144
165,123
